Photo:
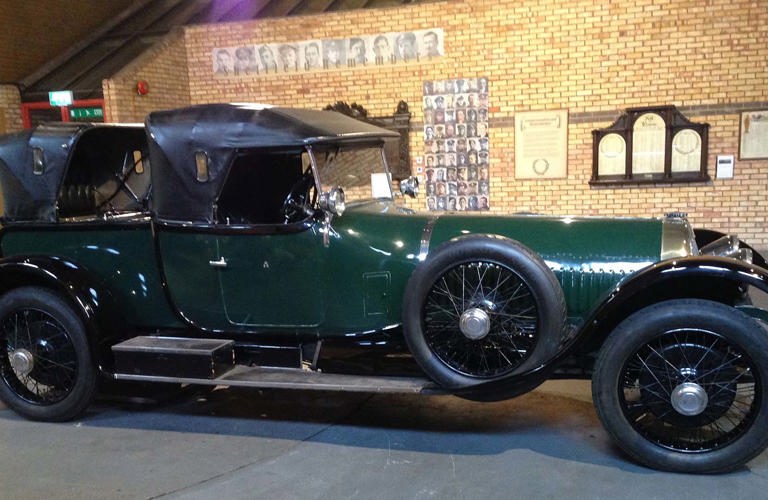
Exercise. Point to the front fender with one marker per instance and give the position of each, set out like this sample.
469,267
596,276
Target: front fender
89,299
713,278
720,279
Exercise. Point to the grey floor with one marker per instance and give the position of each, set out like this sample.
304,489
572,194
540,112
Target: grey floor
286,444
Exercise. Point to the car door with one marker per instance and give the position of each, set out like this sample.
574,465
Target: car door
246,278
254,268
272,280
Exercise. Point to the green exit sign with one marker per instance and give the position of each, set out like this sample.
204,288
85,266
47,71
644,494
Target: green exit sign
60,98
80,113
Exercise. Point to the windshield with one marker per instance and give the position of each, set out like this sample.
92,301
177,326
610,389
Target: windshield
360,170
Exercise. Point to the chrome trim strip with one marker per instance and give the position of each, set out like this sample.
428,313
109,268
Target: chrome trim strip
426,235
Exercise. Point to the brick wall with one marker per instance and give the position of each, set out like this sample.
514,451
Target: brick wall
164,68
10,109
594,58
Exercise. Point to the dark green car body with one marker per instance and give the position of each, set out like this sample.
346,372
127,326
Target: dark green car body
155,256
292,282
244,245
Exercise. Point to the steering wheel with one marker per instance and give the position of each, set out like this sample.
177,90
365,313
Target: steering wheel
298,204
122,186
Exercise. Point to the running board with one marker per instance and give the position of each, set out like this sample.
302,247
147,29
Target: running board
293,378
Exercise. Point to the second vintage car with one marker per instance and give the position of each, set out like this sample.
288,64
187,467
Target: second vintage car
247,245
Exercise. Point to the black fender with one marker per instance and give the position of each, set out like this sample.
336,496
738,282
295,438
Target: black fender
81,288
720,279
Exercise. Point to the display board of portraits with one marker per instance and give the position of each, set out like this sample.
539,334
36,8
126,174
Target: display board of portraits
456,148
323,55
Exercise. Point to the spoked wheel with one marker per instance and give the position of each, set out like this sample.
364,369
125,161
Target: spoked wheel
45,363
678,390
480,319
482,309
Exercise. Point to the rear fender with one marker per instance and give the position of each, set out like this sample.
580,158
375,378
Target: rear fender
95,305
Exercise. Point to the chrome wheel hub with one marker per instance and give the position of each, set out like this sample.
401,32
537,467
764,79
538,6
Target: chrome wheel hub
475,323
22,361
689,399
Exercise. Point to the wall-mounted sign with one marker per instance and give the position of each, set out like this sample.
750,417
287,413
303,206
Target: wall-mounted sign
60,98
653,144
541,144
86,113
753,135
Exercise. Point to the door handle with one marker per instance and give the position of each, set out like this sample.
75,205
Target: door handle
220,264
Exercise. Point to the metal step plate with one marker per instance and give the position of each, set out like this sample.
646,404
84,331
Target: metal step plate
288,378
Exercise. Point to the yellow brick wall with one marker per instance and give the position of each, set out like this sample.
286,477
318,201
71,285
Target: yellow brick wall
164,68
709,57
10,109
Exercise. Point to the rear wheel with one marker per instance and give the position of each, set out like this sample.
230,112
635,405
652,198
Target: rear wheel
681,386
480,309
46,371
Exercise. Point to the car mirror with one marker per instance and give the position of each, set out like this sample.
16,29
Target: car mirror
333,201
410,186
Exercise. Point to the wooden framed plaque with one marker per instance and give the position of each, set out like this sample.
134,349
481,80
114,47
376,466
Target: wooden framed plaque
652,144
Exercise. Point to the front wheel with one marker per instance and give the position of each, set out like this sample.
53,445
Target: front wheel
482,309
46,371
681,386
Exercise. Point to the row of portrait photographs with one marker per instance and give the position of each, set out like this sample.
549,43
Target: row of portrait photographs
469,158
460,108
476,175
458,203
455,132
457,86
315,55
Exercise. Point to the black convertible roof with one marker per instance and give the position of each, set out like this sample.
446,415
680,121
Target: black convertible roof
221,130
256,125
31,181
173,137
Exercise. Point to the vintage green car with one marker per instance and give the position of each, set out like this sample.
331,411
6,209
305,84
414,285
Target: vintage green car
247,245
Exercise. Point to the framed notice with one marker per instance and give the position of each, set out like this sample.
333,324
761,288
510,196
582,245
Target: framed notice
753,135
541,144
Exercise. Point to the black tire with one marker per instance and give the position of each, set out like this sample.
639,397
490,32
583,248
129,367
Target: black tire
681,386
507,291
46,371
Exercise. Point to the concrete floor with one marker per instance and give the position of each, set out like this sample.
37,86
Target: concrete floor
287,444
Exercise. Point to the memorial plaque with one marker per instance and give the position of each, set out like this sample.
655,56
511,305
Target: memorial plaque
651,144
541,144
753,137
686,151
648,138
612,159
